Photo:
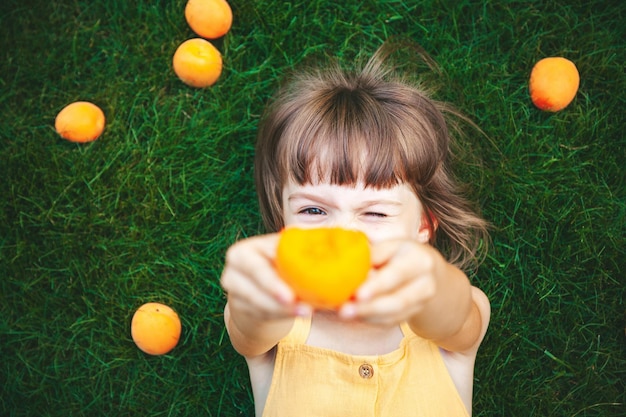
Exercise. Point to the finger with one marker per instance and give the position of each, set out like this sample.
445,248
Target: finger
405,261
390,308
382,252
247,298
381,255
253,259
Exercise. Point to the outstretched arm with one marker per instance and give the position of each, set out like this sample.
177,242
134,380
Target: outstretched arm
412,282
261,308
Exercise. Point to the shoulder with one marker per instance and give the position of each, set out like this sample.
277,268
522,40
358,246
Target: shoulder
460,365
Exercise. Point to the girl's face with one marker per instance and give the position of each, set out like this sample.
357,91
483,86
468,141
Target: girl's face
386,213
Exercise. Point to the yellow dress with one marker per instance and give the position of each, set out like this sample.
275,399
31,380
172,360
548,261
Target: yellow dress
310,381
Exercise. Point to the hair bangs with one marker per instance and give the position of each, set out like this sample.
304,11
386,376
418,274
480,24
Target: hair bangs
345,137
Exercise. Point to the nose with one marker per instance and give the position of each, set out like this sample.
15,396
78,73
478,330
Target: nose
346,221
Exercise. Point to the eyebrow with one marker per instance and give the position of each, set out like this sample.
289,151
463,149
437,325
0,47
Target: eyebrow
307,196
366,203
383,202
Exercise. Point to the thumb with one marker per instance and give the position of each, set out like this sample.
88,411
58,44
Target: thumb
383,252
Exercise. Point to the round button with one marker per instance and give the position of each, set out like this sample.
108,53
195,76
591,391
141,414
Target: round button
366,371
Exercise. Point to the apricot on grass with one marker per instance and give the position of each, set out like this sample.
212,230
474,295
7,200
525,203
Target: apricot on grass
80,121
155,328
323,266
197,63
210,19
553,83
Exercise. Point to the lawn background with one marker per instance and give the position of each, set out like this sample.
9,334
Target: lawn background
90,232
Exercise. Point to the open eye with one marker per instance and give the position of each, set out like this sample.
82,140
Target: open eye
313,211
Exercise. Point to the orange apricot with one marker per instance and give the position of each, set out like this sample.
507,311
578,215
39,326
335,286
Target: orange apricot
323,266
155,328
197,63
209,18
553,83
80,122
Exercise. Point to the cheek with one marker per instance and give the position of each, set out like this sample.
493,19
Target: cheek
416,227
288,219
390,232
286,214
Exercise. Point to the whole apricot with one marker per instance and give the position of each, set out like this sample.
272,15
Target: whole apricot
155,328
323,266
553,83
80,121
210,19
197,63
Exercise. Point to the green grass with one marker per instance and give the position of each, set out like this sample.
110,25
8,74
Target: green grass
90,232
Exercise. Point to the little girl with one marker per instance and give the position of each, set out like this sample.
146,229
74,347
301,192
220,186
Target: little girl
363,150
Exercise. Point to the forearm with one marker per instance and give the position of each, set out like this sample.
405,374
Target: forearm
445,317
253,336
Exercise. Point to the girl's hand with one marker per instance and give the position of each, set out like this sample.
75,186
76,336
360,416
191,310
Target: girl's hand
251,283
402,282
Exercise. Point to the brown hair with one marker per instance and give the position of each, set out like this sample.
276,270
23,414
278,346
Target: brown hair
367,125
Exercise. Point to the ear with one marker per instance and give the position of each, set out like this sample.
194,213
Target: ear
428,227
